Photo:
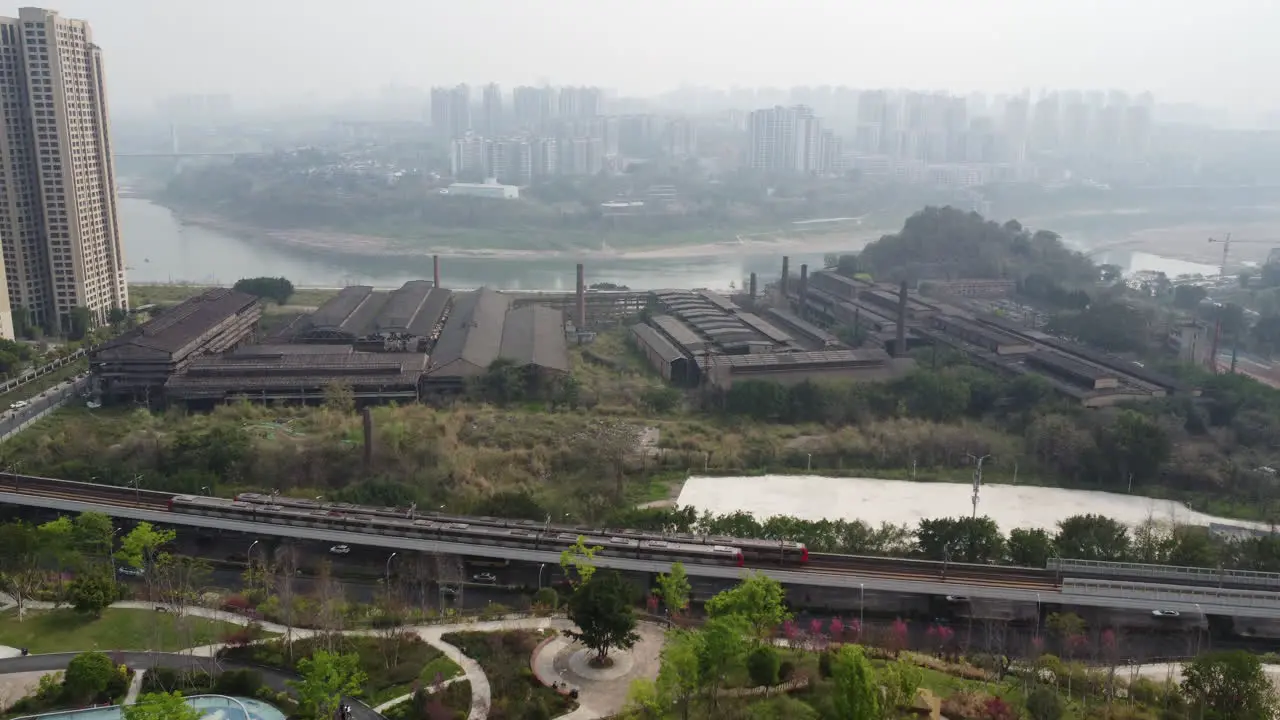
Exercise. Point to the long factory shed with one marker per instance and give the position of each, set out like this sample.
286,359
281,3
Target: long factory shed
1116,595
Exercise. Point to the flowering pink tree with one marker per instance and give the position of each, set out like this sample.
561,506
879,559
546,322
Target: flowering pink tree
816,635
836,628
855,629
791,632
1037,645
651,604
896,639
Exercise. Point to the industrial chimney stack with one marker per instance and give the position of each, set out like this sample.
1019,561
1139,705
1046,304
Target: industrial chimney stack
435,270
786,270
580,318
753,286
803,289
900,346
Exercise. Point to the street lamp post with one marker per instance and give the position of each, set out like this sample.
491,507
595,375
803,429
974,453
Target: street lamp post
977,479
862,604
541,567
387,575
137,488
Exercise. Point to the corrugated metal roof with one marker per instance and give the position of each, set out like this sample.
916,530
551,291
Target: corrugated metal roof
534,335
682,335
473,331
656,342
179,326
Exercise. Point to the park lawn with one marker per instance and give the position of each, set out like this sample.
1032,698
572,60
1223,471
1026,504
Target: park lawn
51,631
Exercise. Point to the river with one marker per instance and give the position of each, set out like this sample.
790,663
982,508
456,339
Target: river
161,249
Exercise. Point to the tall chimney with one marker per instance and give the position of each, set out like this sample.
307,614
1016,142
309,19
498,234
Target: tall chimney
786,270
753,286
435,270
580,318
900,346
803,290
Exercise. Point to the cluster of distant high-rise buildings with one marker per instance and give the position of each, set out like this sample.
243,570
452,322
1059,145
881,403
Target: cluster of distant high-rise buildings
537,132
59,228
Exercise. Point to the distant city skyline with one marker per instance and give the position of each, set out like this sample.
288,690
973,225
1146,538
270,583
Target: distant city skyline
267,53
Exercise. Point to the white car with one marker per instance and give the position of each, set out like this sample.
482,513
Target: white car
19,405
1166,613
340,550
957,599
485,578
129,571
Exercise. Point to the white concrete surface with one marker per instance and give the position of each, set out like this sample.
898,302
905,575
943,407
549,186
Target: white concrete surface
904,502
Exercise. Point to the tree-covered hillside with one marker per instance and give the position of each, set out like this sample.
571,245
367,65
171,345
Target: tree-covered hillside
947,243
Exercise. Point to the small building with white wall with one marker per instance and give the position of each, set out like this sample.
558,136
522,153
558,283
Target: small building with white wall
492,190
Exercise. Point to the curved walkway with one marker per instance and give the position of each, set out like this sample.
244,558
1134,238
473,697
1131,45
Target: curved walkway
597,698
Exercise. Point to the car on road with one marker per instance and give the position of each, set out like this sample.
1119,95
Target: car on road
957,599
127,571
18,405
1166,613
485,578
340,550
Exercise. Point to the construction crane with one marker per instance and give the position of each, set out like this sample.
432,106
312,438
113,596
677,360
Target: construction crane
1226,248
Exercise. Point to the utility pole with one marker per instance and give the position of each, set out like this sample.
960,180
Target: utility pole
1226,250
977,478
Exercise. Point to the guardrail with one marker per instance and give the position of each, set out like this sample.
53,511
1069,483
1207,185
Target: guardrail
31,375
1218,576
1186,595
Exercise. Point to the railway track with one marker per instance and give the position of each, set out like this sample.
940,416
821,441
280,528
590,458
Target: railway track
899,569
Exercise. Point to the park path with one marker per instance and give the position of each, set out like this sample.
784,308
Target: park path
481,692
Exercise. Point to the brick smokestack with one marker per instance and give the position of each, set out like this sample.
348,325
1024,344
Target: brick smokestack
753,286
786,270
803,290
580,317
900,346
435,270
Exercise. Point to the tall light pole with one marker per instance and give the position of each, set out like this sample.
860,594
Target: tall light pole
248,556
862,604
977,479
137,488
541,567
387,575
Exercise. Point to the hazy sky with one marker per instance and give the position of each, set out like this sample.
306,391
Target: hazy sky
1219,52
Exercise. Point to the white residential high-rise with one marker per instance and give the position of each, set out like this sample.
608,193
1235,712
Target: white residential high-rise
788,140
492,120
58,221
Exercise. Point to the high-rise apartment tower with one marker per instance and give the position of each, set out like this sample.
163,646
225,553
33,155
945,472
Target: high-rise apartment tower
59,226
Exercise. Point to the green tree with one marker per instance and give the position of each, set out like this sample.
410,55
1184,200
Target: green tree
142,548
674,589
20,575
972,540
721,649
1229,685
1030,547
579,561
161,706
77,323
758,599
91,534
900,679
601,608
92,592
1092,537
326,678
679,678
934,396
88,676
1044,704
1134,445
276,289
855,693
762,666
1187,297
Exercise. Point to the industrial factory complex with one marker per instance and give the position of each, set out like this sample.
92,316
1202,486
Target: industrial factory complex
423,341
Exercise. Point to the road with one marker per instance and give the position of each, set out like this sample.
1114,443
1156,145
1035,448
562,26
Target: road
12,421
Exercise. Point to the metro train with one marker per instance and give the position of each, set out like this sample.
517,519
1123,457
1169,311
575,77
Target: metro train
460,532
754,551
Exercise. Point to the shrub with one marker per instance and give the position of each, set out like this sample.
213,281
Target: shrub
786,670
236,604
824,665
89,676
494,611
547,597
1044,704
763,666
965,705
